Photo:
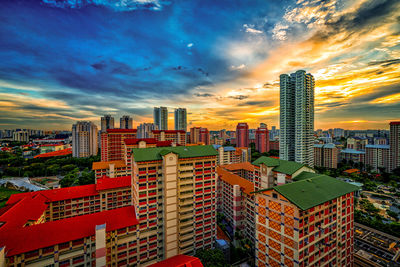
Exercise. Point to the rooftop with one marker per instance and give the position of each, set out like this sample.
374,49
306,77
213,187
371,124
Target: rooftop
179,261
156,153
351,151
279,165
24,239
168,131
24,207
62,152
311,192
121,130
239,166
234,179
100,165
378,146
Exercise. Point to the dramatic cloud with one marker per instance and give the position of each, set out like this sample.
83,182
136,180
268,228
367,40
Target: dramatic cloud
67,60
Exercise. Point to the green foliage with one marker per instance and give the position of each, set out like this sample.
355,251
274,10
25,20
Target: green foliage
375,222
368,206
392,214
5,194
211,257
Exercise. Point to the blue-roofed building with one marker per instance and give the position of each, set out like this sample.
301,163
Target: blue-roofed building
352,154
230,154
377,156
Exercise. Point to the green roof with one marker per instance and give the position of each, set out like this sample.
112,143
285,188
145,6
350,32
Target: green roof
308,193
283,166
156,153
306,175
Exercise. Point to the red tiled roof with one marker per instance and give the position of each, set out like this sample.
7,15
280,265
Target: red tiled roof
234,179
20,240
164,143
62,152
29,208
121,130
239,166
179,261
169,131
105,183
74,191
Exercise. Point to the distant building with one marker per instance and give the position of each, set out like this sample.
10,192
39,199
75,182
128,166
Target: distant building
297,117
353,155
274,145
380,141
357,143
394,145
215,140
242,135
262,138
112,143
177,137
84,139
377,156
181,119
21,136
326,155
125,122
338,132
161,117
199,135
107,122
144,130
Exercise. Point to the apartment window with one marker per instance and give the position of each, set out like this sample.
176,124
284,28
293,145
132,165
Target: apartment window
274,195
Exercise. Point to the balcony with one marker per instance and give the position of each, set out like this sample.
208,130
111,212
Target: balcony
185,215
186,168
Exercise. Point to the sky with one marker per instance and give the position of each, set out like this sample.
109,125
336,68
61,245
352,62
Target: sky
67,60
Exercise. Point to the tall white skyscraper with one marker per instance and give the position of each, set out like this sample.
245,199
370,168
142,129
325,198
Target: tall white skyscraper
107,122
161,117
144,130
125,122
180,119
297,117
84,139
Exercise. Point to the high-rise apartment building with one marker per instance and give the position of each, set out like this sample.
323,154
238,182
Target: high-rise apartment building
177,137
309,222
112,143
242,135
21,136
180,119
84,139
175,195
326,155
262,138
297,117
199,135
377,156
394,143
107,122
125,122
144,130
160,116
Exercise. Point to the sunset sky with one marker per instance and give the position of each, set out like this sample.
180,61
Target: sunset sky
68,60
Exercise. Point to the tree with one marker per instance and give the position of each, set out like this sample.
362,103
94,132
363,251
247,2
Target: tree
211,257
392,214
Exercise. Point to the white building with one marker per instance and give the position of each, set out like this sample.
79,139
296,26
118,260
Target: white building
144,130
107,122
160,116
21,136
125,122
181,119
84,139
297,117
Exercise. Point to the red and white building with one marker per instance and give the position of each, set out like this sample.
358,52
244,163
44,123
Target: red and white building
242,135
262,139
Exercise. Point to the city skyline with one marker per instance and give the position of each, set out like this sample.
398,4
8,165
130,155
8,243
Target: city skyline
61,61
